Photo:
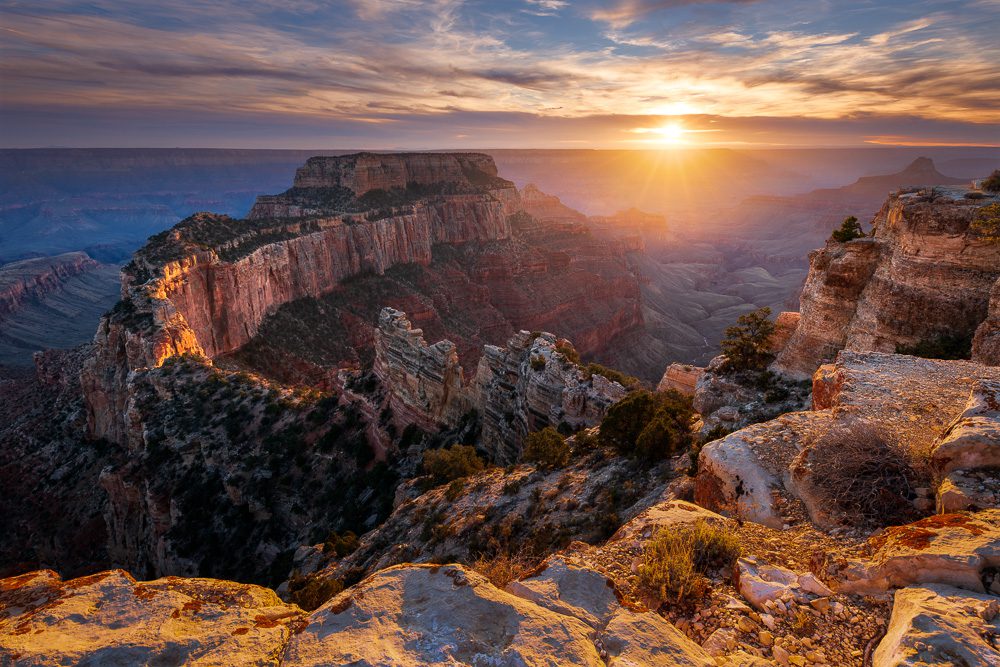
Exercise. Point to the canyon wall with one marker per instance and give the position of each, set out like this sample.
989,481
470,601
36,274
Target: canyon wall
205,286
363,172
525,386
924,276
34,278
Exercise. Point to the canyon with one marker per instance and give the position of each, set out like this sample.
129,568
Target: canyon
310,455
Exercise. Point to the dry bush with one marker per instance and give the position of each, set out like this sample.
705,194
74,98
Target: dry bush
311,591
675,561
502,566
867,477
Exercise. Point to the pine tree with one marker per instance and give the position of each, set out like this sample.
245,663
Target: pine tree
849,230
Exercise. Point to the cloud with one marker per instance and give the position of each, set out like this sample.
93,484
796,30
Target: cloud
625,12
396,63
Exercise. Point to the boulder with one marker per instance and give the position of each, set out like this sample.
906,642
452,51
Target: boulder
570,590
961,550
940,626
681,377
759,583
111,619
632,638
447,615
973,439
669,514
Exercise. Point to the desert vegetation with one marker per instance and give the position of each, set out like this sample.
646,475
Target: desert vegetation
547,448
451,463
648,425
869,479
675,561
849,230
747,345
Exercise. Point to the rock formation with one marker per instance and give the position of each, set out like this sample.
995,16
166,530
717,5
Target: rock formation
755,472
206,286
424,382
924,275
33,278
110,618
525,386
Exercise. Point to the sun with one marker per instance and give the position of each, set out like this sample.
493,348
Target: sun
671,133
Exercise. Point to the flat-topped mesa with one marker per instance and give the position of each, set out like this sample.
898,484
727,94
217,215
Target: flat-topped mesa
206,285
362,172
923,279
525,386
392,181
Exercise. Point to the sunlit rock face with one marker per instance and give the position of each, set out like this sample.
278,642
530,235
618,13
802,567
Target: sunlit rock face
370,171
205,286
925,274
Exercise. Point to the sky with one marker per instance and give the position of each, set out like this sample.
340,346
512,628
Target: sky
392,74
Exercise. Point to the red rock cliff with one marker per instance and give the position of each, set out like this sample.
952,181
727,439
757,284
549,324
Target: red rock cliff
925,274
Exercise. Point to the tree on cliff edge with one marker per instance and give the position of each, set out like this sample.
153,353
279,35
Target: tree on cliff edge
850,229
747,345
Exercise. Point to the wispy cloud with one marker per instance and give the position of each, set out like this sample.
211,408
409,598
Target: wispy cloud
412,63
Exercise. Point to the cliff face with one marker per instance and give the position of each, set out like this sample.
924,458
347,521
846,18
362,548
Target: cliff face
363,172
34,278
205,286
925,275
525,386
424,381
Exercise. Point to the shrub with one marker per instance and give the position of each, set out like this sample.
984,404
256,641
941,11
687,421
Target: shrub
624,380
992,182
850,229
503,566
946,346
310,592
341,545
538,363
986,223
445,465
454,489
651,425
674,563
584,442
547,448
566,348
867,478
747,345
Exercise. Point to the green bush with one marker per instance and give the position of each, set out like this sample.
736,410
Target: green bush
674,563
624,380
850,229
566,348
992,182
546,448
650,425
538,363
747,345
445,465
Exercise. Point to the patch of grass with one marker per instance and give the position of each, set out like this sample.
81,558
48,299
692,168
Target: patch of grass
674,563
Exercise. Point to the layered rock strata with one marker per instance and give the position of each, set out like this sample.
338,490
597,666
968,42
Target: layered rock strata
205,286
34,278
525,386
925,274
